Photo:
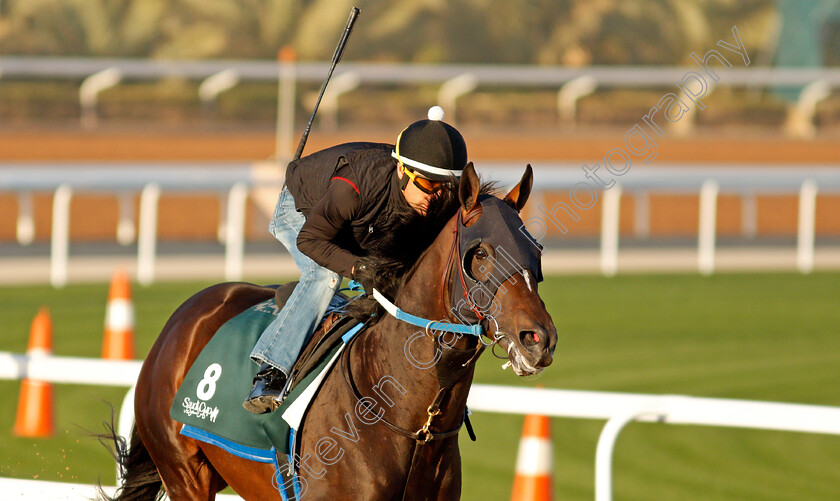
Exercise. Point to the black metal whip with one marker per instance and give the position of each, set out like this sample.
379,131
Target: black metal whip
354,13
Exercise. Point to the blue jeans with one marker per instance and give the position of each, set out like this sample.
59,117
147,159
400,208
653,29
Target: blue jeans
282,341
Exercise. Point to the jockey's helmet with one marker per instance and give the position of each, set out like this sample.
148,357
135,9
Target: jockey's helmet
432,148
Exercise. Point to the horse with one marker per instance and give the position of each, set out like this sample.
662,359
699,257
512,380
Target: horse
396,399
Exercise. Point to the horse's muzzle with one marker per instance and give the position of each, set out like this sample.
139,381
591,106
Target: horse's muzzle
539,344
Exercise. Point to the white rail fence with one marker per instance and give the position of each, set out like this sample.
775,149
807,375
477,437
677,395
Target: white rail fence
79,68
814,84
42,490
619,409
235,184
231,182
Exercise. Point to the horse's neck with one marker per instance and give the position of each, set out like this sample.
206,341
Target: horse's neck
403,352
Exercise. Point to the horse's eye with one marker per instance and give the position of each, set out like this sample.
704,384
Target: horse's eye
480,253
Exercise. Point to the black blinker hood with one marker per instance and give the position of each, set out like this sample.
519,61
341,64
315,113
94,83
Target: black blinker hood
500,226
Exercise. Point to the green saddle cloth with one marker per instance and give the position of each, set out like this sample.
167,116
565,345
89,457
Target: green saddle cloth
211,396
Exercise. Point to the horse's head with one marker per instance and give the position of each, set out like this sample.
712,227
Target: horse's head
499,269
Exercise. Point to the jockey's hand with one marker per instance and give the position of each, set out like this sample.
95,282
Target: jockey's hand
364,272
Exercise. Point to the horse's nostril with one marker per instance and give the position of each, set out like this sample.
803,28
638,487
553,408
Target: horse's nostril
529,337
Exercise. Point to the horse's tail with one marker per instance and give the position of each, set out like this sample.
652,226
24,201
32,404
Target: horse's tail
140,480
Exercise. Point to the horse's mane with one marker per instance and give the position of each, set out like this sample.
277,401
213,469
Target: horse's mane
400,247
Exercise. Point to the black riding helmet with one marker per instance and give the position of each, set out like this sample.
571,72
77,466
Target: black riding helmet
432,148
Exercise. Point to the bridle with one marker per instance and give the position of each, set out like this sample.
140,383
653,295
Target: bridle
433,329
447,292
424,435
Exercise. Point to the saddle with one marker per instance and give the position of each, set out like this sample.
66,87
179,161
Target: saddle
208,401
326,336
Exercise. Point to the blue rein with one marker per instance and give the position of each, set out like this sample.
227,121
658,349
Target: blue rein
430,325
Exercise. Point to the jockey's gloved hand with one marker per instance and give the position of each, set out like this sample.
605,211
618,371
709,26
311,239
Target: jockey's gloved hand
364,272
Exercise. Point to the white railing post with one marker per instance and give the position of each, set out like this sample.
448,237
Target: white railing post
707,227
604,454
535,201
340,85
454,88
641,214
221,229
749,215
685,126
235,241
569,95
147,238
800,119
60,240
125,421
807,225
215,84
89,93
25,230
126,232
610,215
286,90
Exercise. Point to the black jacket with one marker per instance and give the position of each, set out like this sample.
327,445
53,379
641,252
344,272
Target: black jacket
348,193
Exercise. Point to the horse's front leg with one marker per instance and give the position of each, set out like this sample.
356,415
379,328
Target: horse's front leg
442,479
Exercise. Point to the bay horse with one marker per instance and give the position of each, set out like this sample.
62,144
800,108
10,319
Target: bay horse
399,440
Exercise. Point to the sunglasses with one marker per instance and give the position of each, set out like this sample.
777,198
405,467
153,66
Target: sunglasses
427,186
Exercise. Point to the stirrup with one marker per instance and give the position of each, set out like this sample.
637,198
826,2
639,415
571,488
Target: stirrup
262,404
265,396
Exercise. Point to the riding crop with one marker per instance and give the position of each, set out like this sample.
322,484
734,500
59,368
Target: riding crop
354,13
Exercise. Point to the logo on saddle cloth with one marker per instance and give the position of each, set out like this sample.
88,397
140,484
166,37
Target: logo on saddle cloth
204,390
200,409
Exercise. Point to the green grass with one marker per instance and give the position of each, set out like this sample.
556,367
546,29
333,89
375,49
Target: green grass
759,336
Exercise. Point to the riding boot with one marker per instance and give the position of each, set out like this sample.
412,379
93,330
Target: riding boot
267,393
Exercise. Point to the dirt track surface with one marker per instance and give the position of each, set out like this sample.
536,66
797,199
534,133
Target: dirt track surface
528,146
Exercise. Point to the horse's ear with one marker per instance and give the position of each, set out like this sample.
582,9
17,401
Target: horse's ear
468,188
519,194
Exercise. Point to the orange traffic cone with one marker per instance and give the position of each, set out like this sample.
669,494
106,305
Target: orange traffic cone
533,463
119,320
35,407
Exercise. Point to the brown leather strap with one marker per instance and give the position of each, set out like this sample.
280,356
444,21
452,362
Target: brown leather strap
447,271
416,436
415,457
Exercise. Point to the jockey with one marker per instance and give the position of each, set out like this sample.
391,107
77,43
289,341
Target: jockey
328,215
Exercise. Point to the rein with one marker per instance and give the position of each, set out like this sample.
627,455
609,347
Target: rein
432,325
429,325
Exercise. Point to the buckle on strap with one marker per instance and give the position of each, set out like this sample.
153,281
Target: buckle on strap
424,431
